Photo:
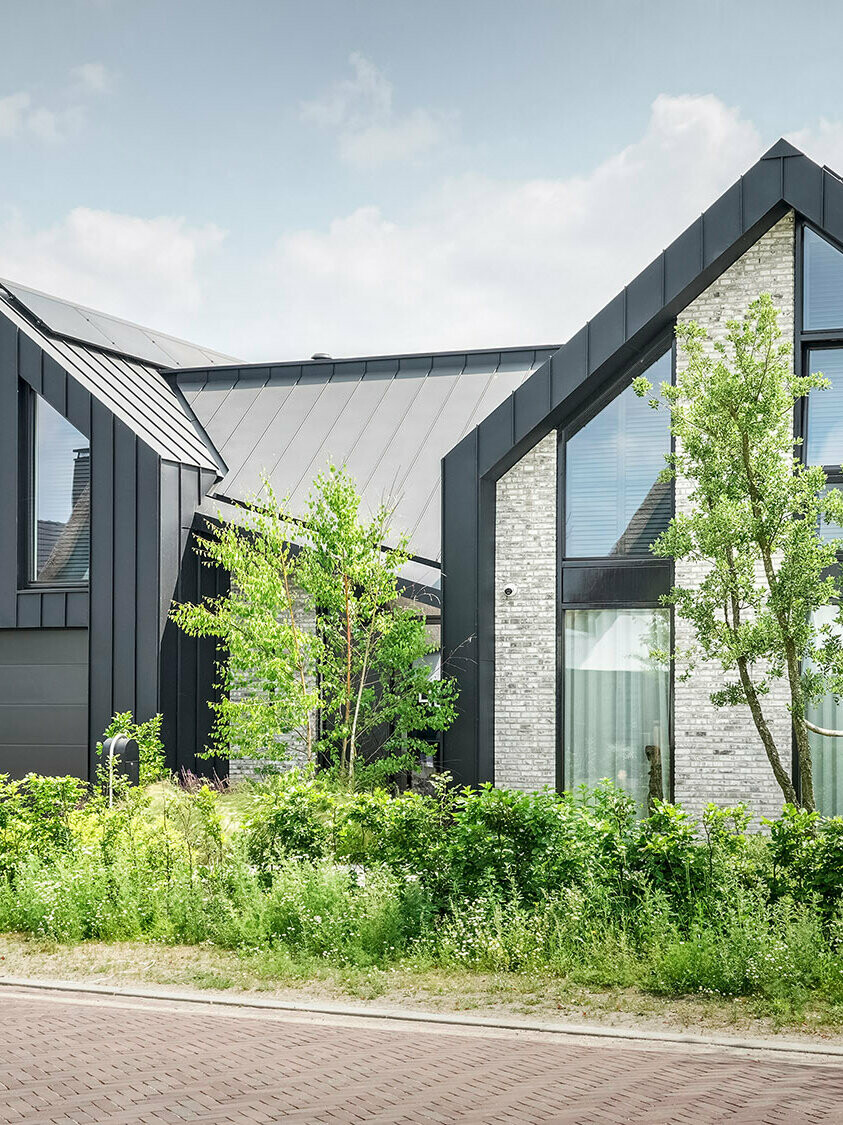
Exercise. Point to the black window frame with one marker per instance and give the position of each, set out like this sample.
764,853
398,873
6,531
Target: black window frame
27,499
627,575
805,341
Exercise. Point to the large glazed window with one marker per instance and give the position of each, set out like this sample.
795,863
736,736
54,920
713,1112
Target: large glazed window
614,503
61,500
825,409
616,698
822,295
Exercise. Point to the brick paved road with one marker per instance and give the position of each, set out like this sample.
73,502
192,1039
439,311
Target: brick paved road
71,1059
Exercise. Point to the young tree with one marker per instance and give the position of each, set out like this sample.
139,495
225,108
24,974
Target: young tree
267,659
376,691
754,519
360,667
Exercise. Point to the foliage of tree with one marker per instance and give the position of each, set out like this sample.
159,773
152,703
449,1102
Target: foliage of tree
753,522
266,659
316,646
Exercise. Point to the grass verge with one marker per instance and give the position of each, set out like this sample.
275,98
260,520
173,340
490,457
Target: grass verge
538,996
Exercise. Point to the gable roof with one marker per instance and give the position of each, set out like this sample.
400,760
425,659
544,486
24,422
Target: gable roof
389,419
783,179
133,390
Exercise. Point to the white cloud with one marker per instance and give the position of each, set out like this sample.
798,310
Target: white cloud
484,262
93,77
480,262
21,116
369,131
143,269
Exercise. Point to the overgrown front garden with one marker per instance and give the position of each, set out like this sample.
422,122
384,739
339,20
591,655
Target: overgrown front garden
300,880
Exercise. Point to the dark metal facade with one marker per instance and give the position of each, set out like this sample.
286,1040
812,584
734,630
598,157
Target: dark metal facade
142,509
572,379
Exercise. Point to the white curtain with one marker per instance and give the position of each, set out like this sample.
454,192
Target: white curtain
827,753
616,697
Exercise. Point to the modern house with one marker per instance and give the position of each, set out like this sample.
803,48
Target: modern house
526,479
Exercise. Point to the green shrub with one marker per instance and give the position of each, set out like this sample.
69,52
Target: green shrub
495,880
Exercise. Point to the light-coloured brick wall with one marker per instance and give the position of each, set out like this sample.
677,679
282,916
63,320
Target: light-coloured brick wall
525,622
718,754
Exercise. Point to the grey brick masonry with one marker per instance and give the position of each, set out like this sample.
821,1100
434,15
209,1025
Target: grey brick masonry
525,622
718,754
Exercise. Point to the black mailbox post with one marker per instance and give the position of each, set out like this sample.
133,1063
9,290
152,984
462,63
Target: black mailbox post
126,753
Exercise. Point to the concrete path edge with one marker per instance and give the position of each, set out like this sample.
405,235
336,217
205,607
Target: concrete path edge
409,1015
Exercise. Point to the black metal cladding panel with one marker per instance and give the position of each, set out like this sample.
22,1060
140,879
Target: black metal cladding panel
606,332
79,407
532,401
761,189
683,261
55,385
460,604
43,702
568,367
833,205
644,301
722,224
8,474
803,186
496,435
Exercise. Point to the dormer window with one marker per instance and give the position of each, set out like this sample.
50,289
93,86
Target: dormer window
60,506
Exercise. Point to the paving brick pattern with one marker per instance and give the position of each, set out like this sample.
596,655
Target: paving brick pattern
68,1061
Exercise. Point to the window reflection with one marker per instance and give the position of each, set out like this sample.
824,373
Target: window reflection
62,500
823,283
614,503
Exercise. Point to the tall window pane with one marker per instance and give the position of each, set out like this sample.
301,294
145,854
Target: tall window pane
614,504
62,501
825,409
827,753
823,283
617,698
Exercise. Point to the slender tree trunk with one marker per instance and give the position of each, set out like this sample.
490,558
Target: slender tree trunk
769,743
345,741
794,672
780,773
360,687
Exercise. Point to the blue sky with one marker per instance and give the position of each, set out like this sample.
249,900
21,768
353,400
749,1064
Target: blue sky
276,178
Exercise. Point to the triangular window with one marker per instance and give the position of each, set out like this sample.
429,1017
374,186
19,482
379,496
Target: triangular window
614,502
823,283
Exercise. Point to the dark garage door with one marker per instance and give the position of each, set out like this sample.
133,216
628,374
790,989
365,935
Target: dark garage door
44,701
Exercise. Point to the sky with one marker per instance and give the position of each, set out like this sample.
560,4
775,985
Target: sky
275,178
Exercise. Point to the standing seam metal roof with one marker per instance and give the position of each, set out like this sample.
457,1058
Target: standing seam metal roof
135,392
389,419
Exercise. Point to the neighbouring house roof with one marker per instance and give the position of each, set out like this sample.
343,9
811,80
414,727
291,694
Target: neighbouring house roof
388,419
129,385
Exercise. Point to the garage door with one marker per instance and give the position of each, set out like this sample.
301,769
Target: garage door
44,701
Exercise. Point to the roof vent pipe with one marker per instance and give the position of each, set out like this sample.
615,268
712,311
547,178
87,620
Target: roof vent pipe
320,355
